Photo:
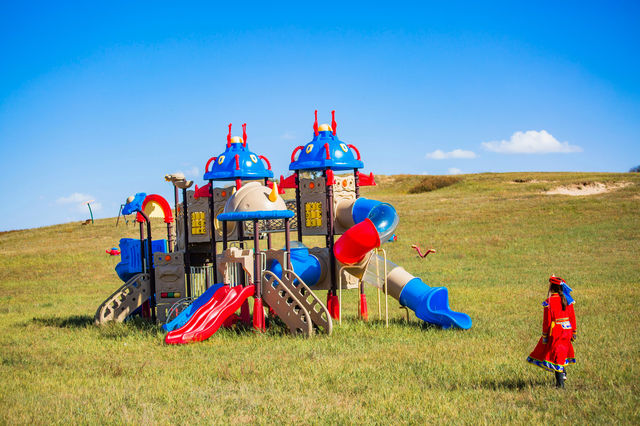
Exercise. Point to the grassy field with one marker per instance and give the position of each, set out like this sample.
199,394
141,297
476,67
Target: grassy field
497,242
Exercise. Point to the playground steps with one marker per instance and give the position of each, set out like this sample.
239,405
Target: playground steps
125,300
286,305
317,310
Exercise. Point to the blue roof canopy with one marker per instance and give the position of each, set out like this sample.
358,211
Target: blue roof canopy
247,166
313,155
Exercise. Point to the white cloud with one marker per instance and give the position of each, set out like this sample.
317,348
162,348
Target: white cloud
192,172
454,171
74,198
456,153
288,136
77,203
531,142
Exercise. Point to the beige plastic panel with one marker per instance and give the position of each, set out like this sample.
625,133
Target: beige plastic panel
286,305
310,217
254,197
277,255
357,270
235,255
169,273
343,206
344,184
125,300
317,310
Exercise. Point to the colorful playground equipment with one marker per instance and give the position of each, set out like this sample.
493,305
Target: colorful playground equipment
202,276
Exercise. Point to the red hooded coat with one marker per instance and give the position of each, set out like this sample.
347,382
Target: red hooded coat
554,350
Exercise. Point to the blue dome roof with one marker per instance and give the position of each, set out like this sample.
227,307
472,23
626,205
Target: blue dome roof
313,155
248,165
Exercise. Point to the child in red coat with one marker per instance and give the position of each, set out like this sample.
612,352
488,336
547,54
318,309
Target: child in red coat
555,350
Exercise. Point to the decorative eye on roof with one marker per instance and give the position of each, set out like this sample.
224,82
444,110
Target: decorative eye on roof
221,159
309,148
253,158
344,147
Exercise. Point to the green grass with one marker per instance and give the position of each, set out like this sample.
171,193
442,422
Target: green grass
497,242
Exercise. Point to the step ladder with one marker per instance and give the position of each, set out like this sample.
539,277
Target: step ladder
297,306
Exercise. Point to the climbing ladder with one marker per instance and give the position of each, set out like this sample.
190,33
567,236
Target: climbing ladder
296,305
318,312
125,300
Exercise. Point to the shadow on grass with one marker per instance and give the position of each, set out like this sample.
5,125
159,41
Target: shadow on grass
135,324
413,323
74,321
512,383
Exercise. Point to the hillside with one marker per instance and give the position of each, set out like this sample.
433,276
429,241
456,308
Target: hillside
498,237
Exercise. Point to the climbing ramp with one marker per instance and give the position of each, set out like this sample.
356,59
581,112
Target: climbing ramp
125,300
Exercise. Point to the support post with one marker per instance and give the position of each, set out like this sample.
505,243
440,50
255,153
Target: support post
287,238
119,213
214,247
187,257
334,310
224,235
298,206
142,256
258,311
170,239
150,268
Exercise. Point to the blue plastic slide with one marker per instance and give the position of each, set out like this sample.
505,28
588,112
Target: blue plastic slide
431,304
185,315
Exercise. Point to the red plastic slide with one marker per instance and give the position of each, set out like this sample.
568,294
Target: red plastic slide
208,319
356,242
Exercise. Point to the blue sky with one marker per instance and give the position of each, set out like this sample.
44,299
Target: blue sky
100,101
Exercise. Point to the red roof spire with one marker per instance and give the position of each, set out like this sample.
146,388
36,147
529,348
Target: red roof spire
315,124
244,134
333,122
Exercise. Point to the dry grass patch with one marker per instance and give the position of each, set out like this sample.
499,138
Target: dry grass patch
431,183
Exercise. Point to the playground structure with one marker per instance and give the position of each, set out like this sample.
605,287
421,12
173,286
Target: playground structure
201,277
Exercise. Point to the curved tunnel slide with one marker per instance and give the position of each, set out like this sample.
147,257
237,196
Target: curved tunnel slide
430,304
371,223
204,320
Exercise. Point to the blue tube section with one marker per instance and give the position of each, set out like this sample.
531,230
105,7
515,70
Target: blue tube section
385,218
186,315
383,215
304,264
362,207
431,304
